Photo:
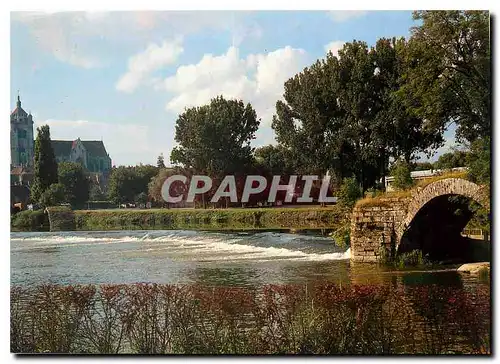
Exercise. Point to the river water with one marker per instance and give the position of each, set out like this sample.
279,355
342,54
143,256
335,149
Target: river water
200,257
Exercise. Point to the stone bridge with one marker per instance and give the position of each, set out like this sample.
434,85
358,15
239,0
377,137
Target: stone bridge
423,218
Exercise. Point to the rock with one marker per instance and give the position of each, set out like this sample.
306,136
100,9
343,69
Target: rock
473,268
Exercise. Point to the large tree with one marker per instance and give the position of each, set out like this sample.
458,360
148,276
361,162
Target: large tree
76,184
214,139
45,172
449,78
127,183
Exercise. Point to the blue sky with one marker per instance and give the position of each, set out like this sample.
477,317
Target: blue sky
123,77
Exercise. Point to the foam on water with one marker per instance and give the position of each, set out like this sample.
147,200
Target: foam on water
197,246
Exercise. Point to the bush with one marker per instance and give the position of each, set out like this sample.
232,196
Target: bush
30,221
402,176
54,195
349,192
479,161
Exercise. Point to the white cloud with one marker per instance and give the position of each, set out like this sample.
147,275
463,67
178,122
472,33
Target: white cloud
117,138
340,16
258,79
71,36
334,47
141,65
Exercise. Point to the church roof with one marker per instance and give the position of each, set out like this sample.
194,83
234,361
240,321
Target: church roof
18,110
95,148
61,147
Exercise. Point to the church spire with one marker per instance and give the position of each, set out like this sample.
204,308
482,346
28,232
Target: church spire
18,100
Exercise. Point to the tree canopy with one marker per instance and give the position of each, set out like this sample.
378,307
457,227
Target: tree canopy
45,172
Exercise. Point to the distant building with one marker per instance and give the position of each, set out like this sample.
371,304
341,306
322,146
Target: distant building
89,153
22,144
421,175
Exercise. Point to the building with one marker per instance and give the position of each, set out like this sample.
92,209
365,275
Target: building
421,175
90,153
22,145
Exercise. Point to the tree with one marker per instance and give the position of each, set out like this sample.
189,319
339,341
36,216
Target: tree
176,189
422,166
45,172
275,159
214,139
52,196
76,184
479,161
160,162
349,192
402,175
451,160
125,183
450,76
96,193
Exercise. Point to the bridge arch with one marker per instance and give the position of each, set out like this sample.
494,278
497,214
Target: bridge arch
436,193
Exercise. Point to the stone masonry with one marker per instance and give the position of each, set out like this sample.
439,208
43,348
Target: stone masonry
378,225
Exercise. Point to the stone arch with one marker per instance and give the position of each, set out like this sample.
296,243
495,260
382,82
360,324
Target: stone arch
447,186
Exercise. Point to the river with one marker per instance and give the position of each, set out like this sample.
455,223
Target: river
200,257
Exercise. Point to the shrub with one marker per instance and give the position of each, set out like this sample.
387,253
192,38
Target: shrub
30,221
402,176
349,192
54,195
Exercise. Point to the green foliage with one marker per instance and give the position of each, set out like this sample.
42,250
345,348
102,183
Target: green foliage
214,139
349,192
141,198
160,163
76,184
479,161
45,173
449,77
342,236
409,259
54,195
451,160
402,176
210,219
95,193
30,221
422,166
125,183
275,159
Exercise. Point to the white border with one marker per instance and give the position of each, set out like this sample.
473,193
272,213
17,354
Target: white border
60,5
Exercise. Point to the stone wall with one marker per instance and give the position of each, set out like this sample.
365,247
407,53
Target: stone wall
378,225
373,227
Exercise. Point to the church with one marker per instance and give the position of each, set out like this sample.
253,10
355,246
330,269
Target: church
91,154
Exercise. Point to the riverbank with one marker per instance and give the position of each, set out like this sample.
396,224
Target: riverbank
302,218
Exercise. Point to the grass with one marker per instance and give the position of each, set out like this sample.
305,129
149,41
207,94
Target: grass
233,218
274,319
380,199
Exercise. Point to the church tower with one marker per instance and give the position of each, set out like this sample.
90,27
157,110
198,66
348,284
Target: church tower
22,148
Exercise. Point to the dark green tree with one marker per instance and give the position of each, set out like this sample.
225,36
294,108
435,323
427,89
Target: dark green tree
449,78
45,172
125,183
349,192
478,161
402,175
160,163
214,139
451,160
275,159
52,196
76,184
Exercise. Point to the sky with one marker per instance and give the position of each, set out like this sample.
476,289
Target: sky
124,77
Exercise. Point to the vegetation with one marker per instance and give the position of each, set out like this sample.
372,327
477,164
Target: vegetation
52,196
45,172
402,176
479,161
30,221
75,183
273,319
349,193
126,183
452,160
199,219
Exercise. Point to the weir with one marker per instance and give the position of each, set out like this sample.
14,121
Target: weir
423,219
